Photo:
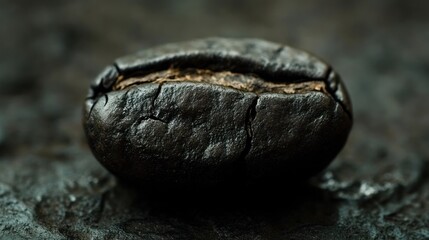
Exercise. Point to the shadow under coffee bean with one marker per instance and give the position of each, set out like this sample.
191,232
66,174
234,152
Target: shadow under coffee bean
217,111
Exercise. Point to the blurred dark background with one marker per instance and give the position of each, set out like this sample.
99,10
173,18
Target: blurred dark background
51,187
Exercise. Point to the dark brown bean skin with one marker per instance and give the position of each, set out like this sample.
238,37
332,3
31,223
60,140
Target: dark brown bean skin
195,135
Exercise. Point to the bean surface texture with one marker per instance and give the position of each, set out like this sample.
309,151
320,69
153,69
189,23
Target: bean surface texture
214,111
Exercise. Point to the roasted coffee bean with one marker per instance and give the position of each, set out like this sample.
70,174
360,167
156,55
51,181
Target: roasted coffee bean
217,111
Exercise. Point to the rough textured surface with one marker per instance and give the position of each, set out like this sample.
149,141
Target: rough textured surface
135,132
238,55
295,136
184,134
52,188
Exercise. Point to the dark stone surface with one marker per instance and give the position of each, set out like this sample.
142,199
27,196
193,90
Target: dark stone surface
51,187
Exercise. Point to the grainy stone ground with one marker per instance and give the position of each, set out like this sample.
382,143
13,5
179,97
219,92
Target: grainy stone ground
51,187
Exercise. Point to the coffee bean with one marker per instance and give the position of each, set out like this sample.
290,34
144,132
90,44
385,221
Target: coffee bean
217,111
